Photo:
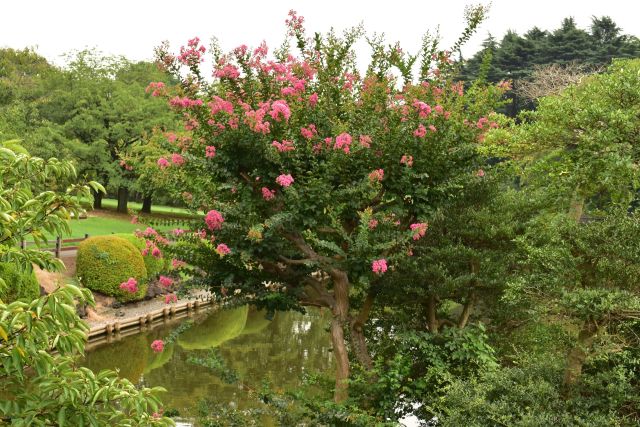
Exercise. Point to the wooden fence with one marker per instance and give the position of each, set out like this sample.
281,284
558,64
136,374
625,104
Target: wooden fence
59,245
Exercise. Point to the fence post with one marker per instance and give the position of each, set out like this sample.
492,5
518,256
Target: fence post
23,244
86,236
58,244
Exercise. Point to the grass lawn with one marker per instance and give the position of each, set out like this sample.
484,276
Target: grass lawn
112,204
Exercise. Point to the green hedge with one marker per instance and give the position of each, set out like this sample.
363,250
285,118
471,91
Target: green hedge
18,285
104,262
154,265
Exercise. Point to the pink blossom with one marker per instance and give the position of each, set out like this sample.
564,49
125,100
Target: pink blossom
157,346
283,146
176,263
439,109
130,285
178,232
280,109
480,173
343,142
419,229
420,132
227,70
165,281
155,252
223,249
432,128
481,122
218,104
177,159
134,219
373,223
268,194
214,220
163,163
309,132
313,99
149,231
284,180
365,141
423,109
377,175
169,298
379,266
406,160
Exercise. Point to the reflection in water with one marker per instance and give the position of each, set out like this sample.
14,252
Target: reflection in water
279,351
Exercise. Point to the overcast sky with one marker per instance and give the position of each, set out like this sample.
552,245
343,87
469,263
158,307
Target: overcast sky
134,27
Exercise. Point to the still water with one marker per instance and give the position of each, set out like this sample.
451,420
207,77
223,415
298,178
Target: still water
280,350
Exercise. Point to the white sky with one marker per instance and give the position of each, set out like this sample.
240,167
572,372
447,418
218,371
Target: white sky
134,27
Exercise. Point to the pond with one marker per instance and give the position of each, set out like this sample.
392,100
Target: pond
253,348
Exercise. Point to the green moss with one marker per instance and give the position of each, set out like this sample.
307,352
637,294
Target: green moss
18,285
216,329
154,265
104,262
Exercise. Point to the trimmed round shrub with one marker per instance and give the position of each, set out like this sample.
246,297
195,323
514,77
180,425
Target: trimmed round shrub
18,285
104,262
154,265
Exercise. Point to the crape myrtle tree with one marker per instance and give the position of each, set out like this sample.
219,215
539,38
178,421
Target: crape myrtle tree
317,180
41,382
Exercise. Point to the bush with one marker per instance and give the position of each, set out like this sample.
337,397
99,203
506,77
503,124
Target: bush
18,285
104,262
154,265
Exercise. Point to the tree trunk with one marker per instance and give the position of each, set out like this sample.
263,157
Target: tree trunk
97,199
340,312
123,199
146,204
357,333
432,317
577,356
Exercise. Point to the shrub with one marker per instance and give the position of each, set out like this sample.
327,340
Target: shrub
18,285
104,262
154,265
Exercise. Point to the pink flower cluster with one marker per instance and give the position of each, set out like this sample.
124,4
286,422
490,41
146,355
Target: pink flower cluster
156,88
294,22
177,159
226,70
210,151
268,194
163,163
214,220
176,263
223,249
284,180
165,281
379,266
420,132
169,298
184,102
157,346
419,230
309,132
377,175
218,104
406,160
365,141
280,109
423,109
313,99
192,54
373,223
343,142
283,146
130,285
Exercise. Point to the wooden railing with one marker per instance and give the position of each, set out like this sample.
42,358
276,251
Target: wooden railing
59,245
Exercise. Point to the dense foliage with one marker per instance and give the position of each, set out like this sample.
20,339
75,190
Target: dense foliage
105,262
18,284
40,340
